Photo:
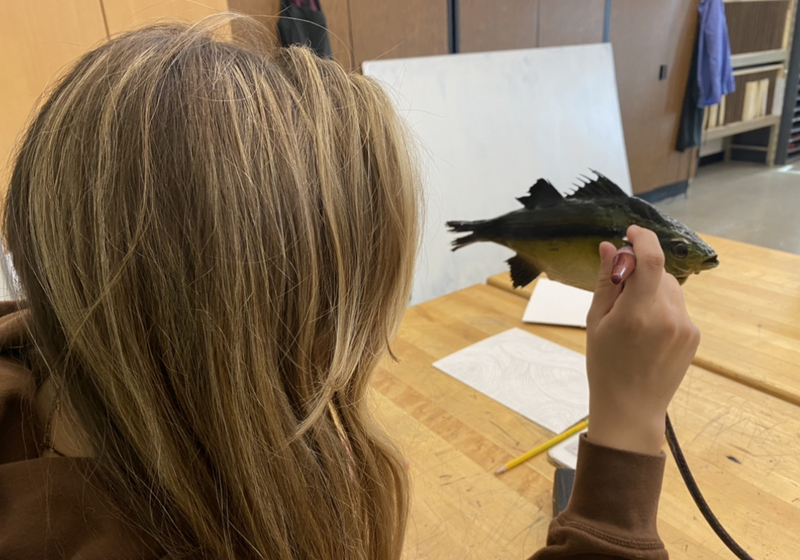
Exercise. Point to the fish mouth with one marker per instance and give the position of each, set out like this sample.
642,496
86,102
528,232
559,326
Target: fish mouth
711,262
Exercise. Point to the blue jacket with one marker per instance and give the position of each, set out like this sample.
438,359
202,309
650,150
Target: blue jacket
714,69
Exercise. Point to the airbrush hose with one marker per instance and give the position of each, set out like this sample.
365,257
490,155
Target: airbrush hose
623,266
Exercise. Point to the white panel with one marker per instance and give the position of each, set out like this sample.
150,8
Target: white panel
490,125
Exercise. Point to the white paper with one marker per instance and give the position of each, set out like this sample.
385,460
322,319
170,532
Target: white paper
537,378
554,303
566,452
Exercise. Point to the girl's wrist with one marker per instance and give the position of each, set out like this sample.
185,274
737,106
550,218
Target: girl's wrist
639,432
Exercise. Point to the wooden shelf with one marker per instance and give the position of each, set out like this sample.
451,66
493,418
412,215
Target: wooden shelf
739,127
761,57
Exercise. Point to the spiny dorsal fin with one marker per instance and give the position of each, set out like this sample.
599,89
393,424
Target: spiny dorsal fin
597,188
541,194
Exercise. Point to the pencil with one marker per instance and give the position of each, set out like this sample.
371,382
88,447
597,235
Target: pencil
544,447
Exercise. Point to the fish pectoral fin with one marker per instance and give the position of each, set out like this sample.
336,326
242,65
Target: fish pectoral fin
522,271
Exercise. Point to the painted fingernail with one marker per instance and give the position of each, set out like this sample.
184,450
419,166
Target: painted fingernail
622,266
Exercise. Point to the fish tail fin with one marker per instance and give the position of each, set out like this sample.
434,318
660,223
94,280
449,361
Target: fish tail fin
476,232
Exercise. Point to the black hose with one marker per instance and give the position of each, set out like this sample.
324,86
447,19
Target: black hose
688,479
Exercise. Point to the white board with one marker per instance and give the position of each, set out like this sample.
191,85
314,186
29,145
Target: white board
489,125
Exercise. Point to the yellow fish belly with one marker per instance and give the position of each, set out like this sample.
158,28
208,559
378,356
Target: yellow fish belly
571,260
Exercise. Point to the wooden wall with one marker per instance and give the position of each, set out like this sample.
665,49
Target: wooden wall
38,40
46,35
570,22
523,24
495,26
124,15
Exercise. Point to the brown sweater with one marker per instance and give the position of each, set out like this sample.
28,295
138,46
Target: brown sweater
49,508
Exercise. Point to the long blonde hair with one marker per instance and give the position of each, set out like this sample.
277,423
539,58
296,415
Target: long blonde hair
217,246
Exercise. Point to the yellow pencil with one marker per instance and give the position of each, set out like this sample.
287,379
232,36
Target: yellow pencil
544,447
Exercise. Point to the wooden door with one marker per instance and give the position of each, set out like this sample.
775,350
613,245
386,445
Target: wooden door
645,35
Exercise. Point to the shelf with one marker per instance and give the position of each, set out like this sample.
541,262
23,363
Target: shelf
739,127
756,58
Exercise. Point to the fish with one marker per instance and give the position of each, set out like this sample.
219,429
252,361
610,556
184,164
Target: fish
559,235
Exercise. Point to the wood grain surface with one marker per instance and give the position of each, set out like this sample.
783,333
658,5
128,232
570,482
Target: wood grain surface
39,41
742,445
748,311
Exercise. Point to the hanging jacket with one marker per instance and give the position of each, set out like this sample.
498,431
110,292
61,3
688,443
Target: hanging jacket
303,23
714,68
711,74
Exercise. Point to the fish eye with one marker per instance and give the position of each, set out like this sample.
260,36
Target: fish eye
680,250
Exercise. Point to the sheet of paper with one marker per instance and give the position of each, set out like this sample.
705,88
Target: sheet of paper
554,303
566,452
537,378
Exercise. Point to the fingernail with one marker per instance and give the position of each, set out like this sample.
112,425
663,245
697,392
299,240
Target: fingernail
618,268
621,265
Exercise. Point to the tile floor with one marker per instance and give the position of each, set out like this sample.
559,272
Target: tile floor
743,201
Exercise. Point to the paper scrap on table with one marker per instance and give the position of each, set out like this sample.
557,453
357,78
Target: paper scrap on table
554,303
537,378
566,452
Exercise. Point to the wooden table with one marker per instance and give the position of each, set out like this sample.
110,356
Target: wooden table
748,310
742,444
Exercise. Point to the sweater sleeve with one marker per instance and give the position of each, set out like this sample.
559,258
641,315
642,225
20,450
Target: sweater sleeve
613,508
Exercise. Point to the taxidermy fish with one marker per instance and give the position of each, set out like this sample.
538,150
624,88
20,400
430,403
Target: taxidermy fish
559,235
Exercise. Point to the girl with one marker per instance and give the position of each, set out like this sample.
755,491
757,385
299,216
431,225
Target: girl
215,248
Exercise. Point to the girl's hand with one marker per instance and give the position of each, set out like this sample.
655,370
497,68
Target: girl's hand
640,342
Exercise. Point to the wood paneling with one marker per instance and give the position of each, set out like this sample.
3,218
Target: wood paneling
267,13
756,26
123,15
338,17
646,34
523,24
494,26
392,29
570,22
38,41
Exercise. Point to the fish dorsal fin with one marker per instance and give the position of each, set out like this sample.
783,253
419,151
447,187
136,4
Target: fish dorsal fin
598,188
542,193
